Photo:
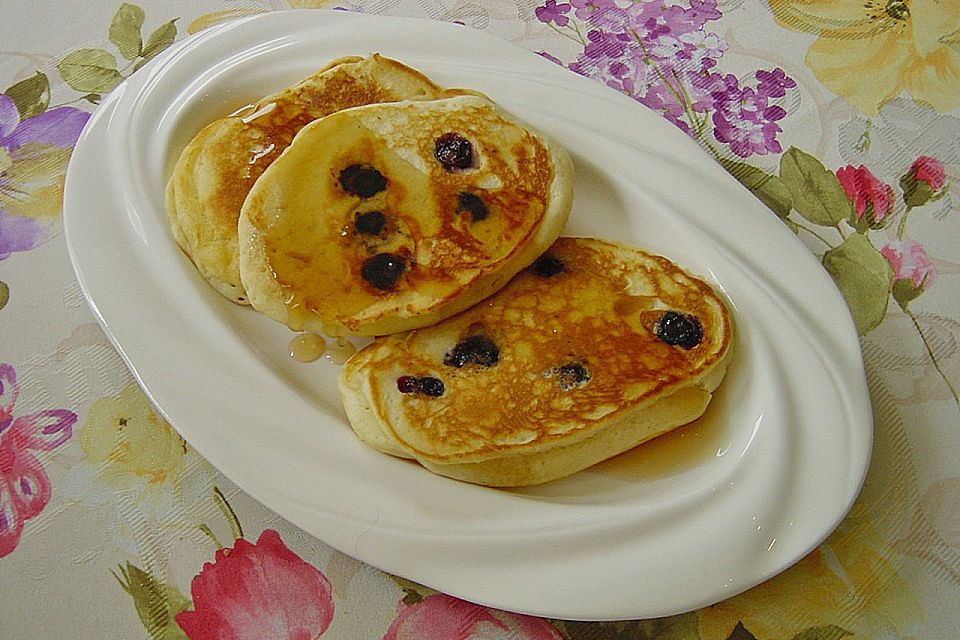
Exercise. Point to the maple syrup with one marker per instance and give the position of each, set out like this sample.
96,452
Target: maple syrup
307,347
684,448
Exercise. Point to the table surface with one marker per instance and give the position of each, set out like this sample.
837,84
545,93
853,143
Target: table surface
840,115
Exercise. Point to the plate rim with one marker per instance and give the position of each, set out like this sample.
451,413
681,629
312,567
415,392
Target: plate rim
73,233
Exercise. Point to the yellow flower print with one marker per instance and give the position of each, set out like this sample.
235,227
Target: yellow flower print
132,447
37,171
312,4
870,51
845,582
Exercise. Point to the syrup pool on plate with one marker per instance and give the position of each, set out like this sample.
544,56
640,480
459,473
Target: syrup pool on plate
307,347
339,351
683,448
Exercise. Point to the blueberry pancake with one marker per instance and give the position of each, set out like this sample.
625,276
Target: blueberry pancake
389,217
218,167
592,350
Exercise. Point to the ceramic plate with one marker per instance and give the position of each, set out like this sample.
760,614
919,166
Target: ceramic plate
682,522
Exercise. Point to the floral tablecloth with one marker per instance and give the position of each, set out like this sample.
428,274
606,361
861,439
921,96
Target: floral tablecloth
840,115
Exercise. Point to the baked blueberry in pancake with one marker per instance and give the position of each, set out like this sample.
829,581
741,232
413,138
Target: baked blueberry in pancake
388,217
592,350
216,170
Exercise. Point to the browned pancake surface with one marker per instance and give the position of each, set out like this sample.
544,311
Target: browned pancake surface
269,126
220,165
575,349
316,252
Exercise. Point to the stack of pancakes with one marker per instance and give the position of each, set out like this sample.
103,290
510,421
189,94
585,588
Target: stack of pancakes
369,201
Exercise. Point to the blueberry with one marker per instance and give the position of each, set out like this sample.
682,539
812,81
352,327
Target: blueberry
425,386
432,387
362,181
547,266
383,270
453,152
478,349
408,384
472,203
370,223
679,329
571,375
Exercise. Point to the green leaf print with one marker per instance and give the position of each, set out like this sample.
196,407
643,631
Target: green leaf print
156,603
740,633
161,38
125,30
31,96
904,292
815,192
4,294
681,627
769,188
412,591
90,70
864,277
829,632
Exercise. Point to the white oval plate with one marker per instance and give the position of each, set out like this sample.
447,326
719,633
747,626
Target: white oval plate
669,527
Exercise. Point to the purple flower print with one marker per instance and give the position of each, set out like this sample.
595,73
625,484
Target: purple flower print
660,54
549,56
19,234
592,9
553,12
24,485
33,158
743,117
774,84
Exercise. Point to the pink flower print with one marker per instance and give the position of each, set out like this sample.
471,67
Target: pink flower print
553,12
261,591
913,270
930,171
443,617
924,182
24,485
872,198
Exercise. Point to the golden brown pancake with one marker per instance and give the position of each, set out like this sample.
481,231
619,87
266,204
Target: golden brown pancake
591,351
388,217
218,167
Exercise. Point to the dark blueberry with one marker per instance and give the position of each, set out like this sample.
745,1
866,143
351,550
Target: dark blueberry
571,375
453,152
432,387
547,266
472,203
363,181
679,329
383,270
408,384
425,386
478,350
370,223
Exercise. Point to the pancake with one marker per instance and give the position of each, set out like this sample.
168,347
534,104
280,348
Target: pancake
388,217
594,349
216,170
